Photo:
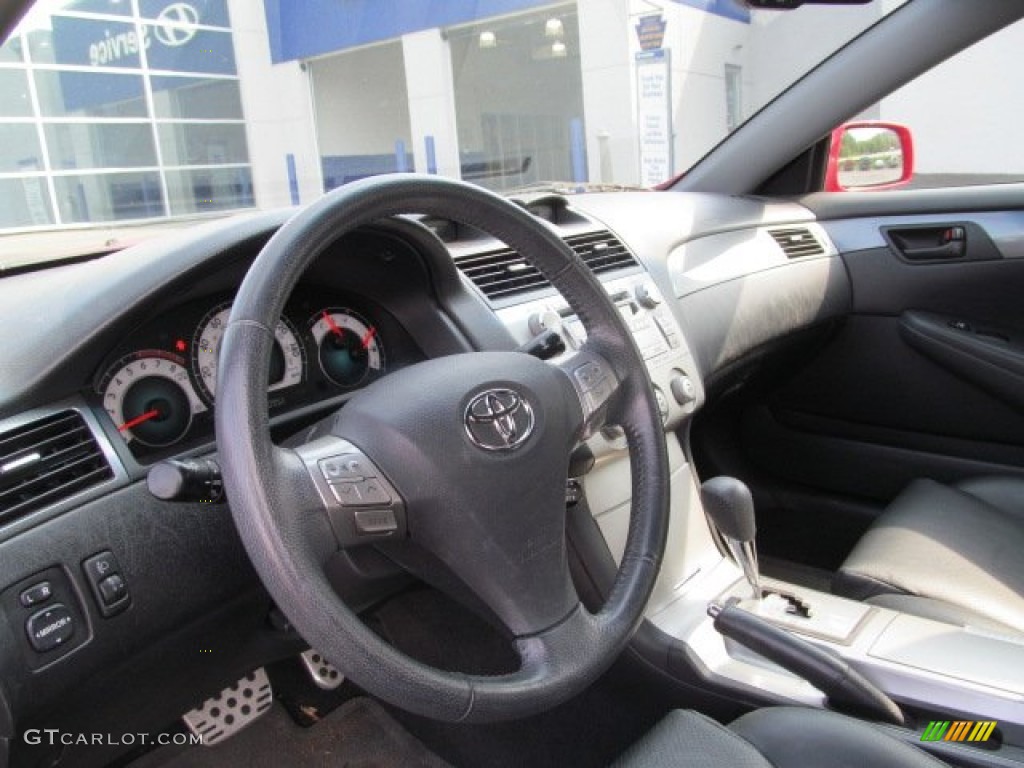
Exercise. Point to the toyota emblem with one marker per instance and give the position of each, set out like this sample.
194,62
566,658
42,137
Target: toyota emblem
499,420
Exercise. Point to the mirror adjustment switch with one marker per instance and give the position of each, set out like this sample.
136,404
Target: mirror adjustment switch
36,594
107,583
49,628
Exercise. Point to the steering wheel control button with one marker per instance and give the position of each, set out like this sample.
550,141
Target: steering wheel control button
498,420
347,494
375,522
343,469
372,492
50,628
36,594
109,588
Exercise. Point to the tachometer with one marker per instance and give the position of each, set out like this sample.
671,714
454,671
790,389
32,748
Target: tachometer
150,397
287,359
348,349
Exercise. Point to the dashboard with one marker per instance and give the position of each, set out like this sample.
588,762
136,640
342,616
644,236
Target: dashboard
132,368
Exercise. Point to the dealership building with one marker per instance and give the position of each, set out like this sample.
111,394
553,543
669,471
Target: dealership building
118,110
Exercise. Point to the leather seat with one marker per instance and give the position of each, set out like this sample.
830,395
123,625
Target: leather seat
779,737
951,553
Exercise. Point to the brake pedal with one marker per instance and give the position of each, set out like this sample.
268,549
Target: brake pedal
325,675
225,714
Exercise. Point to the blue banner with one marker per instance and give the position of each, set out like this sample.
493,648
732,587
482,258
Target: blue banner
730,9
300,29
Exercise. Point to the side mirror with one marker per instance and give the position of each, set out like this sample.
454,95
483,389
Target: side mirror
869,156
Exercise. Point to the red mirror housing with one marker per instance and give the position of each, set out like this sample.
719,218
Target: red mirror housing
869,156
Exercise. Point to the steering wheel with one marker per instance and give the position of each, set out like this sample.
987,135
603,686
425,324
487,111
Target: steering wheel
464,458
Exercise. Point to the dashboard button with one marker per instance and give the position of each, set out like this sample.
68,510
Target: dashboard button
50,628
112,589
36,594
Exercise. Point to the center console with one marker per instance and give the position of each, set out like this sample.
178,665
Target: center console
934,671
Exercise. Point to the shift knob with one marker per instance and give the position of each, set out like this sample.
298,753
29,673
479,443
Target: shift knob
727,501
731,507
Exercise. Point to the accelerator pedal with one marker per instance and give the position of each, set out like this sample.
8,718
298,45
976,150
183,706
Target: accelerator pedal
324,674
226,713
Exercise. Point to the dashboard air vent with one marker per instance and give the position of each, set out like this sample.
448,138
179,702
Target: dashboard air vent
797,242
502,274
46,461
601,251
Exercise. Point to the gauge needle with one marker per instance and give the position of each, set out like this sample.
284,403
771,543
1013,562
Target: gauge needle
368,337
333,325
152,414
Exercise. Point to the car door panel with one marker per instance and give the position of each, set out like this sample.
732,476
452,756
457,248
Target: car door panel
925,377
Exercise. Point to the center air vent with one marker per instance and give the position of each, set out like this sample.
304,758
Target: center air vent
504,273
46,461
797,242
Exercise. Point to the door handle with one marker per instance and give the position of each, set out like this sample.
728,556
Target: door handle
941,243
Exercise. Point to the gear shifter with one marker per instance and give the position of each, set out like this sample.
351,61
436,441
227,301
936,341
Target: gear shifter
731,507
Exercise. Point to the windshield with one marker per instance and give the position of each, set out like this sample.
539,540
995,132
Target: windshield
120,119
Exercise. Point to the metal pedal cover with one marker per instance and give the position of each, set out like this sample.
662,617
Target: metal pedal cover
228,712
325,675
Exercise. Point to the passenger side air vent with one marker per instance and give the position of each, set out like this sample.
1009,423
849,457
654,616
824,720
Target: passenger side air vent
502,274
46,461
601,251
797,242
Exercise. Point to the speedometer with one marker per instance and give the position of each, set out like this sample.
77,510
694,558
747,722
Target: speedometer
287,359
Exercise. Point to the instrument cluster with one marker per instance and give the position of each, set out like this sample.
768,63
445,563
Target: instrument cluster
160,385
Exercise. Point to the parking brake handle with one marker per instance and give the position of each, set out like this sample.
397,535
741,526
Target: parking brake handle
846,689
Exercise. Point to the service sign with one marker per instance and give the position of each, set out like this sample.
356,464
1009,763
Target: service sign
171,36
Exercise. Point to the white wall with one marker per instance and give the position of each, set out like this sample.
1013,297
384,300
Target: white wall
362,105
278,113
784,45
609,100
965,114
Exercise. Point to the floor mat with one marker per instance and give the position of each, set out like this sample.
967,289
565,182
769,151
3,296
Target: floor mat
797,573
359,734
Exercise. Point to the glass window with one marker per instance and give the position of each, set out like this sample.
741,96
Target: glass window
87,43
104,145
19,148
209,189
203,143
90,94
109,196
11,50
24,203
210,13
109,7
14,96
196,98
981,148
186,49
519,133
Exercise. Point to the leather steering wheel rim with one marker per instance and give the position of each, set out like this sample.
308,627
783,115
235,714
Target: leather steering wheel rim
288,544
